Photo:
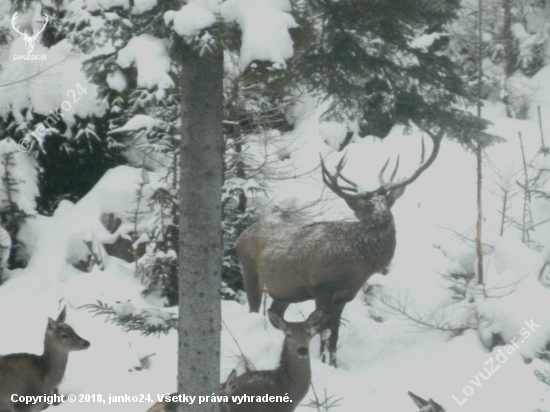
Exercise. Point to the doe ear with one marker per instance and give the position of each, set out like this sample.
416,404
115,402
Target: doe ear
418,401
315,320
435,406
230,384
61,317
276,320
394,195
51,325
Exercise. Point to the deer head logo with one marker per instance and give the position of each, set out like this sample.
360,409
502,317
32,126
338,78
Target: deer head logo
29,40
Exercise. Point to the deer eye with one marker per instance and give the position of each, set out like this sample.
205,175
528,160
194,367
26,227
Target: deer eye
64,336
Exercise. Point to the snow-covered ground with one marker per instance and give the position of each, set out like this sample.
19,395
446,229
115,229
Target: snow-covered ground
379,360
382,353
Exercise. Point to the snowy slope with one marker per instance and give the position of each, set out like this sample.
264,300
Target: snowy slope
379,361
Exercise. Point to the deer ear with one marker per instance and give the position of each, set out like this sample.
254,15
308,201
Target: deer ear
394,195
314,321
51,325
276,320
61,317
230,384
435,406
418,401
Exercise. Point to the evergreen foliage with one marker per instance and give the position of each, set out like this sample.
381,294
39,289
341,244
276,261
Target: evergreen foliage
383,65
378,64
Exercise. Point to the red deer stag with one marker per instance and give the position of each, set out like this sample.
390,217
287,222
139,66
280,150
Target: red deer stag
326,261
25,374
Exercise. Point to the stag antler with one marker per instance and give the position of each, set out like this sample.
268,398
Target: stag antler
331,181
436,139
344,191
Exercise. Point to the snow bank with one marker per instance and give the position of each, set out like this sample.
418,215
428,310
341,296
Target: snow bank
190,19
148,54
382,353
264,25
22,88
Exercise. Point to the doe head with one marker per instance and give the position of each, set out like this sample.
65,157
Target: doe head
63,337
298,334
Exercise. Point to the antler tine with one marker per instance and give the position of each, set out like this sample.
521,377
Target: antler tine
395,170
381,174
331,181
422,165
423,153
383,170
341,164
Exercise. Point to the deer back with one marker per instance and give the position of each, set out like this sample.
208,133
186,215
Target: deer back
291,262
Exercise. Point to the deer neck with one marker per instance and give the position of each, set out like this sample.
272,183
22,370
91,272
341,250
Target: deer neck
294,373
375,235
379,220
55,362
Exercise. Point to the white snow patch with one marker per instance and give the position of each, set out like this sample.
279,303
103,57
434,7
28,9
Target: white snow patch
138,122
117,81
190,19
264,25
27,84
148,54
142,6
425,41
96,5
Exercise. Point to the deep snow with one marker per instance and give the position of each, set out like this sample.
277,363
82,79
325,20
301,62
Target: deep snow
378,362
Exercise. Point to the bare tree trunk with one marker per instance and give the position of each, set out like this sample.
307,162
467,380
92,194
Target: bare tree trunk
508,39
479,150
200,248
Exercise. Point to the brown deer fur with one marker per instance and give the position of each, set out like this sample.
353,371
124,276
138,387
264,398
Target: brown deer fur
326,261
26,374
293,375
226,389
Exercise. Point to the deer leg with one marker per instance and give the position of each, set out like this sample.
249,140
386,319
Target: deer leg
324,305
334,321
252,288
279,308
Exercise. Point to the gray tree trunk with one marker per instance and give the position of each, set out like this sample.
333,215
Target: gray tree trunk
200,248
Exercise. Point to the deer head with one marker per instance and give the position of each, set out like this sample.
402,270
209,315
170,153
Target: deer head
62,337
29,40
365,203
